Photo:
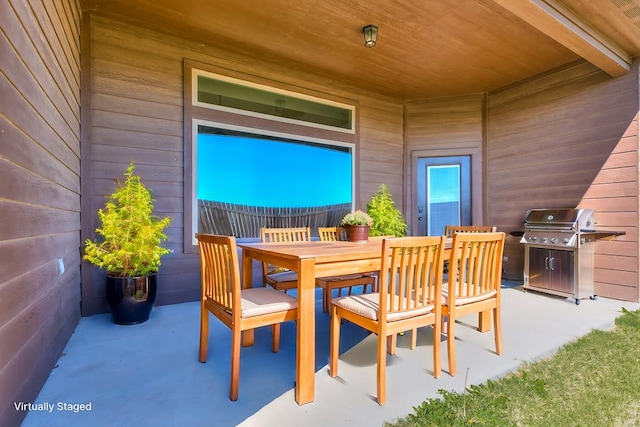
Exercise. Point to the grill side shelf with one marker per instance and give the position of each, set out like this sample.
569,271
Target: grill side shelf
602,234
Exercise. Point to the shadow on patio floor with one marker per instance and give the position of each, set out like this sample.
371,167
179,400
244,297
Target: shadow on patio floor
149,374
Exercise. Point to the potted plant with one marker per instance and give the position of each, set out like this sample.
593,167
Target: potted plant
357,224
387,220
129,250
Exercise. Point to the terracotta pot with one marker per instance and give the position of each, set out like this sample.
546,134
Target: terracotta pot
131,299
357,233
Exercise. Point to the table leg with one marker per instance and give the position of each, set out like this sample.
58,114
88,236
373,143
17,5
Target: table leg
305,352
247,339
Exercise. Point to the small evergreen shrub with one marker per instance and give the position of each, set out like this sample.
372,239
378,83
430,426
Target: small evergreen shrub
387,220
131,234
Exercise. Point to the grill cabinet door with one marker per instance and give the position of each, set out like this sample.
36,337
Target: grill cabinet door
562,271
538,270
552,269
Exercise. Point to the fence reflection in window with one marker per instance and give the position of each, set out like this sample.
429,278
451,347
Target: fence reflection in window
246,181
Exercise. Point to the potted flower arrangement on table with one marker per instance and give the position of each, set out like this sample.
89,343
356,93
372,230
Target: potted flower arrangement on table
357,225
129,250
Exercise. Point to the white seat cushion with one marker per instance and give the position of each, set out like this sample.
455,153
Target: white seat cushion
285,276
340,278
257,301
367,305
462,300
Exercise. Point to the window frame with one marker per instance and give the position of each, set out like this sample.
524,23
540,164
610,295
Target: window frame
253,124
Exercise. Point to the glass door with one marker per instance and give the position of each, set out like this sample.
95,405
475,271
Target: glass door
443,193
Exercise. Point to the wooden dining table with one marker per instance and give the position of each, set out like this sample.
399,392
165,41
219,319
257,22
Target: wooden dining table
311,260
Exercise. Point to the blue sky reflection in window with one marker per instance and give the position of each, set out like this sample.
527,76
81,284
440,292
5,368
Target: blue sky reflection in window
247,169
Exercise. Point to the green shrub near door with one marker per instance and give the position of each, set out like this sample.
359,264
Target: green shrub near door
387,219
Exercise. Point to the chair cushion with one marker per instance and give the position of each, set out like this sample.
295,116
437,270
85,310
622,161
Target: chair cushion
366,305
340,278
285,276
257,301
462,300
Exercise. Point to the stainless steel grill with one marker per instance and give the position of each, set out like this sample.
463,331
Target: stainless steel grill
559,246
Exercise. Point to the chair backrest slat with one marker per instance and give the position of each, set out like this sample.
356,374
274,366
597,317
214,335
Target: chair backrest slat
411,274
475,264
219,270
449,230
285,235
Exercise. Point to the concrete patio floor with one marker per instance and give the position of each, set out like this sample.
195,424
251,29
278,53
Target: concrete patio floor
149,374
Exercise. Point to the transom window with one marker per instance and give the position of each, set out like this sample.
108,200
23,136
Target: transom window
241,97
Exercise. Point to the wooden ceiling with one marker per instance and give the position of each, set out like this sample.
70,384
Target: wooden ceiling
426,48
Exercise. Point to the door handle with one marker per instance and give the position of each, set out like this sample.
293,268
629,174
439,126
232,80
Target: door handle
546,263
552,263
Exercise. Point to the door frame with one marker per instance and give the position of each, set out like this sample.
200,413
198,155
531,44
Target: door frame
477,182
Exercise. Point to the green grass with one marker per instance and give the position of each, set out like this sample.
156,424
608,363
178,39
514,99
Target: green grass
593,381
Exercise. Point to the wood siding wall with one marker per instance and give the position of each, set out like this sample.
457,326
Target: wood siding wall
570,138
381,140
39,194
567,138
445,127
136,114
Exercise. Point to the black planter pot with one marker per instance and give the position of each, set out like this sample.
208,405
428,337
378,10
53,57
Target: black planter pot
131,299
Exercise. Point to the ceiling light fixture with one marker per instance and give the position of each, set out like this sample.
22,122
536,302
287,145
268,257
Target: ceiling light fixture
370,35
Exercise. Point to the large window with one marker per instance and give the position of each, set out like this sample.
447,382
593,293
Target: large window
258,154
244,180
271,170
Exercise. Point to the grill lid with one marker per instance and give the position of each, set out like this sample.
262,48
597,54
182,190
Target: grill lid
568,218
570,228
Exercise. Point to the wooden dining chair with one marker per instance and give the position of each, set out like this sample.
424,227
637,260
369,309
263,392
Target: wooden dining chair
449,230
474,285
274,276
239,309
409,297
332,234
345,281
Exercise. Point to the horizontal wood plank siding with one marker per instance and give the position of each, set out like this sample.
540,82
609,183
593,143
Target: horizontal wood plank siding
40,194
137,115
565,139
381,140
444,127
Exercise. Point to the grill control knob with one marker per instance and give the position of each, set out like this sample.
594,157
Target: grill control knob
534,238
566,240
544,240
554,240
